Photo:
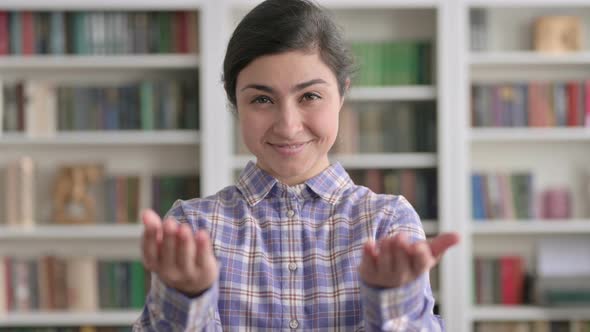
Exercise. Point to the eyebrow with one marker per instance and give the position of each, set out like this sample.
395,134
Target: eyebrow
297,87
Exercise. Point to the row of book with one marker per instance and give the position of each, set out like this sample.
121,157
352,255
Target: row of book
500,280
502,196
41,108
94,32
418,186
536,326
49,283
387,127
87,328
167,189
119,196
532,104
403,62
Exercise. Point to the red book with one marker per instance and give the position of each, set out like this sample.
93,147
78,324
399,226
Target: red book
28,33
533,103
4,34
512,276
180,33
573,95
8,283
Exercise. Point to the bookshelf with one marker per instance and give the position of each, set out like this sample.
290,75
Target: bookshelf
553,154
143,153
210,151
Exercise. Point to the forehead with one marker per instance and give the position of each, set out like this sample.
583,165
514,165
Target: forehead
285,69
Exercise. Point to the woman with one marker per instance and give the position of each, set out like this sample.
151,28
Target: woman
295,244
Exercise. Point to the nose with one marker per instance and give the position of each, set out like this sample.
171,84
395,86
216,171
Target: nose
288,121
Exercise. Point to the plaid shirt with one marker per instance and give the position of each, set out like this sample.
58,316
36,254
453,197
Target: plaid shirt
289,258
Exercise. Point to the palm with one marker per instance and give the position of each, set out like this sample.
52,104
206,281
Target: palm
181,259
393,262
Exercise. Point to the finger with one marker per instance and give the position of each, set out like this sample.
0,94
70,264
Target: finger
185,250
442,242
167,261
204,256
149,241
399,254
421,258
369,260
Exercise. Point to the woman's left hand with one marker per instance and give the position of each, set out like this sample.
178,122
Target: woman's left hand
392,262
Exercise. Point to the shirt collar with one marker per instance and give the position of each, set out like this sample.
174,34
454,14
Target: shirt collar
255,184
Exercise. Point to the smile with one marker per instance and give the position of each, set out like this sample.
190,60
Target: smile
288,149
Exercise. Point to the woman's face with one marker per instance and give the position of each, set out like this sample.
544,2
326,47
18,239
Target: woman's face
288,107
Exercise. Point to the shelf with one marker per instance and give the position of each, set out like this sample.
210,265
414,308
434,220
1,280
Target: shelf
519,58
387,160
527,3
101,4
530,134
368,161
401,93
120,62
528,313
106,137
72,232
354,4
70,318
499,227
103,240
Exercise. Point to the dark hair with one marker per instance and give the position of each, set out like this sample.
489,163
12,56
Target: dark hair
277,26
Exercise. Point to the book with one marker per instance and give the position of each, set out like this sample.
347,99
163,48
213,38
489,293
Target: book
82,284
41,110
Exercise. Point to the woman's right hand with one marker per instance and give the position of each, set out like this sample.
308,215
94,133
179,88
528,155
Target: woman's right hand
183,260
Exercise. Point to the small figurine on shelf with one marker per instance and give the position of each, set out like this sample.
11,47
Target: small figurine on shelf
557,34
72,201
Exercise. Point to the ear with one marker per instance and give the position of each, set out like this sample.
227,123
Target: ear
346,89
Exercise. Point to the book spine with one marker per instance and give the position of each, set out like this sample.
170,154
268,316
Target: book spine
4,33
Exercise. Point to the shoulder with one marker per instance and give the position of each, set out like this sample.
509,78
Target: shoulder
183,210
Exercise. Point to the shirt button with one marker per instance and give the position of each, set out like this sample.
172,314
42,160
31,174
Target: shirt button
293,323
290,213
292,267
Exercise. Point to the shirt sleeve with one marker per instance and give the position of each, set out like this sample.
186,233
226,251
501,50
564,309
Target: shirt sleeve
408,308
169,310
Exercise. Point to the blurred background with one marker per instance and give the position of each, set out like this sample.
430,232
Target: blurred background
476,111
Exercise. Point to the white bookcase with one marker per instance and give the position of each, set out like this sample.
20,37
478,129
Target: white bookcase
554,155
210,151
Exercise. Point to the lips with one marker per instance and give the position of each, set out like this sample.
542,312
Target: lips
288,149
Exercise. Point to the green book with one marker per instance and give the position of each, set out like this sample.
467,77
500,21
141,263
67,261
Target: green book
146,95
165,29
137,285
16,33
80,33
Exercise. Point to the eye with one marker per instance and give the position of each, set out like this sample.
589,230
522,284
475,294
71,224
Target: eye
309,96
261,100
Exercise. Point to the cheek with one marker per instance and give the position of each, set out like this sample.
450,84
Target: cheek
326,125
252,128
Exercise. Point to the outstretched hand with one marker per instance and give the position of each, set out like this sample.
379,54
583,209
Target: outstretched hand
392,262
182,260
